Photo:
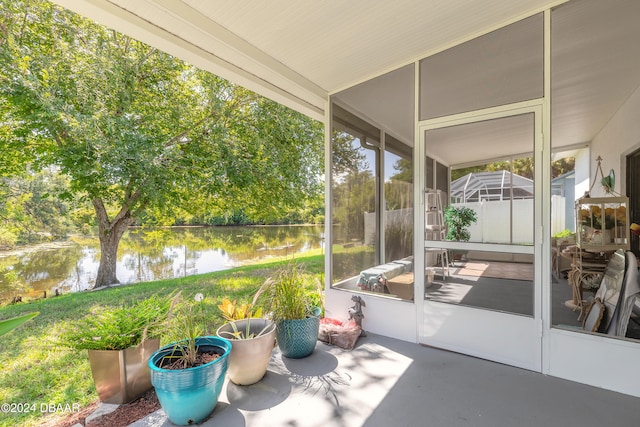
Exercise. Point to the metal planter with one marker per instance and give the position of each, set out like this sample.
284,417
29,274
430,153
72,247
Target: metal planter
120,376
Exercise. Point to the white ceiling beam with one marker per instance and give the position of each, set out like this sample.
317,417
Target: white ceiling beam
209,27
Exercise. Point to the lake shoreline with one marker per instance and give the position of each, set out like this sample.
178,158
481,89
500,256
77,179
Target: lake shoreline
22,250
147,254
55,244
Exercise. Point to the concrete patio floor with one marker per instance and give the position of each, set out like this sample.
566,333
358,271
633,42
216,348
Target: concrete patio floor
386,382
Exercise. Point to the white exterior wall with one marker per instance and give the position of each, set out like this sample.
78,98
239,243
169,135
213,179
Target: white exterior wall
621,135
491,227
583,172
370,222
493,221
558,220
385,316
397,216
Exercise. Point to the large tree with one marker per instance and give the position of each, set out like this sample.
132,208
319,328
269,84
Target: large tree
138,130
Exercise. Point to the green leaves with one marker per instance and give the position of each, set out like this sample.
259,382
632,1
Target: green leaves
141,131
118,328
457,219
126,117
289,294
8,325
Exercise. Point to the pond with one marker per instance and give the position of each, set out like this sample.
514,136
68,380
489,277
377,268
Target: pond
149,254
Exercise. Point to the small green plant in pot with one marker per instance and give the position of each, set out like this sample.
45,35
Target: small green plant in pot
119,341
564,237
252,338
457,220
188,374
293,303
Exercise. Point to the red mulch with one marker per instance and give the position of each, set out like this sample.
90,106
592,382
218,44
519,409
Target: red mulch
123,415
127,413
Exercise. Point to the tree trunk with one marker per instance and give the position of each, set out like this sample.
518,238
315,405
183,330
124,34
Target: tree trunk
109,233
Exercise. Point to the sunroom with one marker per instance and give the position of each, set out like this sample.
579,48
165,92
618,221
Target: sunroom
416,96
495,124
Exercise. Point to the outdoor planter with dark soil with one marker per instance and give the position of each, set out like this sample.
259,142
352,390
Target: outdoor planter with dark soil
189,395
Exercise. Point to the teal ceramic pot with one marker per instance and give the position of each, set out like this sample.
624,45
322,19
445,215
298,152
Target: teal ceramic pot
297,338
189,396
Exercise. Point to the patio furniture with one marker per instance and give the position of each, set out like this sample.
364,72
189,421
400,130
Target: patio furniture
630,298
376,278
610,290
407,263
586,273
402,286
560,264
593,316
601,313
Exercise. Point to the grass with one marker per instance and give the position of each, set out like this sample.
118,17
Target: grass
37,371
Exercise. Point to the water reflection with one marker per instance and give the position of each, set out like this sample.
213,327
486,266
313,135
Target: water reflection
151,254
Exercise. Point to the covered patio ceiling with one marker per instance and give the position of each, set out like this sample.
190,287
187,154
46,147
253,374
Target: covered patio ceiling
298,53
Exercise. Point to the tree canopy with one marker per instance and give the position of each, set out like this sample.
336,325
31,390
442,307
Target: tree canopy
137,130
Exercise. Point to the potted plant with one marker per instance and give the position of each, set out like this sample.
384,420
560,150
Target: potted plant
119,341
564,237
457,219
294,306
188,374
252,339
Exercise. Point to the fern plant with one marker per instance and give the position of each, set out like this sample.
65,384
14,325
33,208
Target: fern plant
118,328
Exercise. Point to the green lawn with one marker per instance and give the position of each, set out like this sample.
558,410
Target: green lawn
38,372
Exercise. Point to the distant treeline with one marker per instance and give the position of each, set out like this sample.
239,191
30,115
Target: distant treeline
39,208
239,217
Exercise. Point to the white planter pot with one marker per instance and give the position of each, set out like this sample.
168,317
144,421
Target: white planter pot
249,357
